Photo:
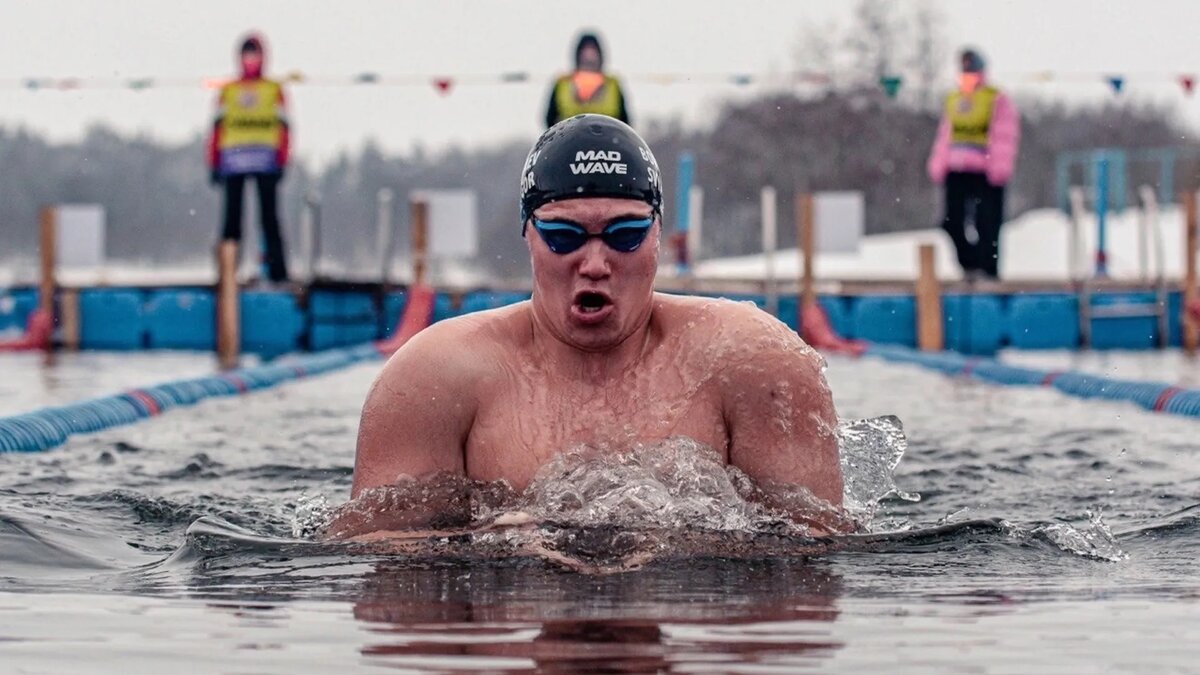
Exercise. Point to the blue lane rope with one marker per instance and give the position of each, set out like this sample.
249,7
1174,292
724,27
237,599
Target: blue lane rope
44,429
1153,396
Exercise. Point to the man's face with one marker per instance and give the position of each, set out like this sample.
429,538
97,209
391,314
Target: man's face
594,297
252,61
969,82
589,58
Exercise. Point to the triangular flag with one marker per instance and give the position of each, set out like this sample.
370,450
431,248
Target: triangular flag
366,78
1116,82
891,84
140,84
1188,83
443,85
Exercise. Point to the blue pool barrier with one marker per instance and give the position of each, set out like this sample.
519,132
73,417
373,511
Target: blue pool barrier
111,319
47,428
271,323
1153,396
389,318
889,319
15,307
1135,332
181,319
973,324
1043,321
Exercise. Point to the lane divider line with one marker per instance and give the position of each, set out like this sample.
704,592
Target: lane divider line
1152,396
48,428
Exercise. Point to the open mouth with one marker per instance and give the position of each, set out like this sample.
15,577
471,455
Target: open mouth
591,302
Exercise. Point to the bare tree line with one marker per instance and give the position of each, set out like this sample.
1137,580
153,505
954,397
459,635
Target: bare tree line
848,135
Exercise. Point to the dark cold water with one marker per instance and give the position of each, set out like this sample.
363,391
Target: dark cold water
1051,534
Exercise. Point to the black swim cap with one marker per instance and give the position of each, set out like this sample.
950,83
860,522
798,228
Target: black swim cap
589,156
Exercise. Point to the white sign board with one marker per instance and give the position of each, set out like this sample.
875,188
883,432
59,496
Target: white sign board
838,218
79,236
453,222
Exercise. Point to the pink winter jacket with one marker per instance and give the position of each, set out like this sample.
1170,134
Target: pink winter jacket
996,161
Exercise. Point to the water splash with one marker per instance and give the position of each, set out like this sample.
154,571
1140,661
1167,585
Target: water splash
311,515
677,483
1094,540
674,484
871,449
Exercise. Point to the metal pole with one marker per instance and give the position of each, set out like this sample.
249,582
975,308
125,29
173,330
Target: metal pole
1148,211
769,237
312,210
683,190
695,224
383,233
1074,238
1101,215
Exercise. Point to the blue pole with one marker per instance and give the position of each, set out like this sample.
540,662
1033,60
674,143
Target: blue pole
1062,175
1166,177
683,187
1101,211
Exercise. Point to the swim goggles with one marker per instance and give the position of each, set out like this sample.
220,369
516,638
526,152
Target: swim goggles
624,236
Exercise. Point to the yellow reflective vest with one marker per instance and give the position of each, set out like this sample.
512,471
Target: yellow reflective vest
606,100
251,114
970,115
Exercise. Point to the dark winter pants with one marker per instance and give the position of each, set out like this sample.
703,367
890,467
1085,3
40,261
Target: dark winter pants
970,193
267,183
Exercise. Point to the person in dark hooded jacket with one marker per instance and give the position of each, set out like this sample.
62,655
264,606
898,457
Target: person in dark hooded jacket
250,140
588,89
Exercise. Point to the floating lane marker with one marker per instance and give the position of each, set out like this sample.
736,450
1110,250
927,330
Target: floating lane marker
1152,396
47,428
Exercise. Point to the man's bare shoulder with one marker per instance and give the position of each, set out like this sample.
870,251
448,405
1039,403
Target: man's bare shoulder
727,329
460,350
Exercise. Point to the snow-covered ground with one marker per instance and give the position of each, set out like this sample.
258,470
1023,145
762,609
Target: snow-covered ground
1034,247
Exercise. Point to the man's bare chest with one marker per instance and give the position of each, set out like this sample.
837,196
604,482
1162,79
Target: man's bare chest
526,421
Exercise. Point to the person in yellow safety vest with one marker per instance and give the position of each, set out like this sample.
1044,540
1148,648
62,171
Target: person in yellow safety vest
588,89
973,155
249,139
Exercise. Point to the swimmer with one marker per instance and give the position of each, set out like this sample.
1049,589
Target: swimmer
596,358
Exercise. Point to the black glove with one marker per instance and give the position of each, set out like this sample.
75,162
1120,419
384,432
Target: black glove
214,177
282,172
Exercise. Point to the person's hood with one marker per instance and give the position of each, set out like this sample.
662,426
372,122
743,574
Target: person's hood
252,41
585,40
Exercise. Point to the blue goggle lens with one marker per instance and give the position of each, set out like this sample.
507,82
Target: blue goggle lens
624,236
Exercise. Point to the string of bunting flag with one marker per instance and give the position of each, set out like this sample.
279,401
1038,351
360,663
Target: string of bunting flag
891,85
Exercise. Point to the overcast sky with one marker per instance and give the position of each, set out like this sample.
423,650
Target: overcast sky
1148,41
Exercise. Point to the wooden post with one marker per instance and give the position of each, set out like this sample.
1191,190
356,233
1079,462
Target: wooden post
805,237
419,210
228,333
383,234
1191,331
68,305
49,284
929,303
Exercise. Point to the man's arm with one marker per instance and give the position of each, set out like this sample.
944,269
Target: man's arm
779,412
410,440
418,413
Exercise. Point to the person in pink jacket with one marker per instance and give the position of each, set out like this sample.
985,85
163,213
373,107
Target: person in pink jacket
973,156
